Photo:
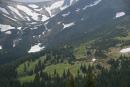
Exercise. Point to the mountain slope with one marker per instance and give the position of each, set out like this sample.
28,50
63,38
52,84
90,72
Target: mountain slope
22,25
75,23
82,20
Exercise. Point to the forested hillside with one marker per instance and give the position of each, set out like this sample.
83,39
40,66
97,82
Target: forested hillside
94,75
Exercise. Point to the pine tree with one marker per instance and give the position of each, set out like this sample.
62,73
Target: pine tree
25,67
90,78
71,81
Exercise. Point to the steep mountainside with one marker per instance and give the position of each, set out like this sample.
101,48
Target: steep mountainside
22,25
31,27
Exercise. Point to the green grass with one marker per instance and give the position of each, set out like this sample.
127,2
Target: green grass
50,70
61,67
26,78
20,69
124,38
80,51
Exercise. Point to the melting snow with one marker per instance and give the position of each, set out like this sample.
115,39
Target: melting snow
28,1
36,48
48,10
43,33
57,4
93,60
44,18
59,22
19,28
64,7
33,23
64,15
33,6
9,17
45,24
0,47
77,10
93,4
15,10
38,9
4,28
120,14
68,25
15,42
126,50
31,13
8,32
71,2
28,11
4,10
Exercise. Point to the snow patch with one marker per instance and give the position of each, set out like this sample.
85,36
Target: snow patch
64,15
64,7
59,22
93,4
120,14
43,33
0,47
48,9
93,60
4,10
33,6
4,28
68,25
31,13
15,10
77,10
19,28
126,50
49,30
9,17
57,4
71,2
45,25
8,32
36,48
15,42
44,18
38,9
31,1
33,23
28,11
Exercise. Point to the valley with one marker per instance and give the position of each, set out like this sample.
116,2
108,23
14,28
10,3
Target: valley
64,43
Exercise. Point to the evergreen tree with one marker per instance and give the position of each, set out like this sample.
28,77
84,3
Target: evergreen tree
90,78
71,81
